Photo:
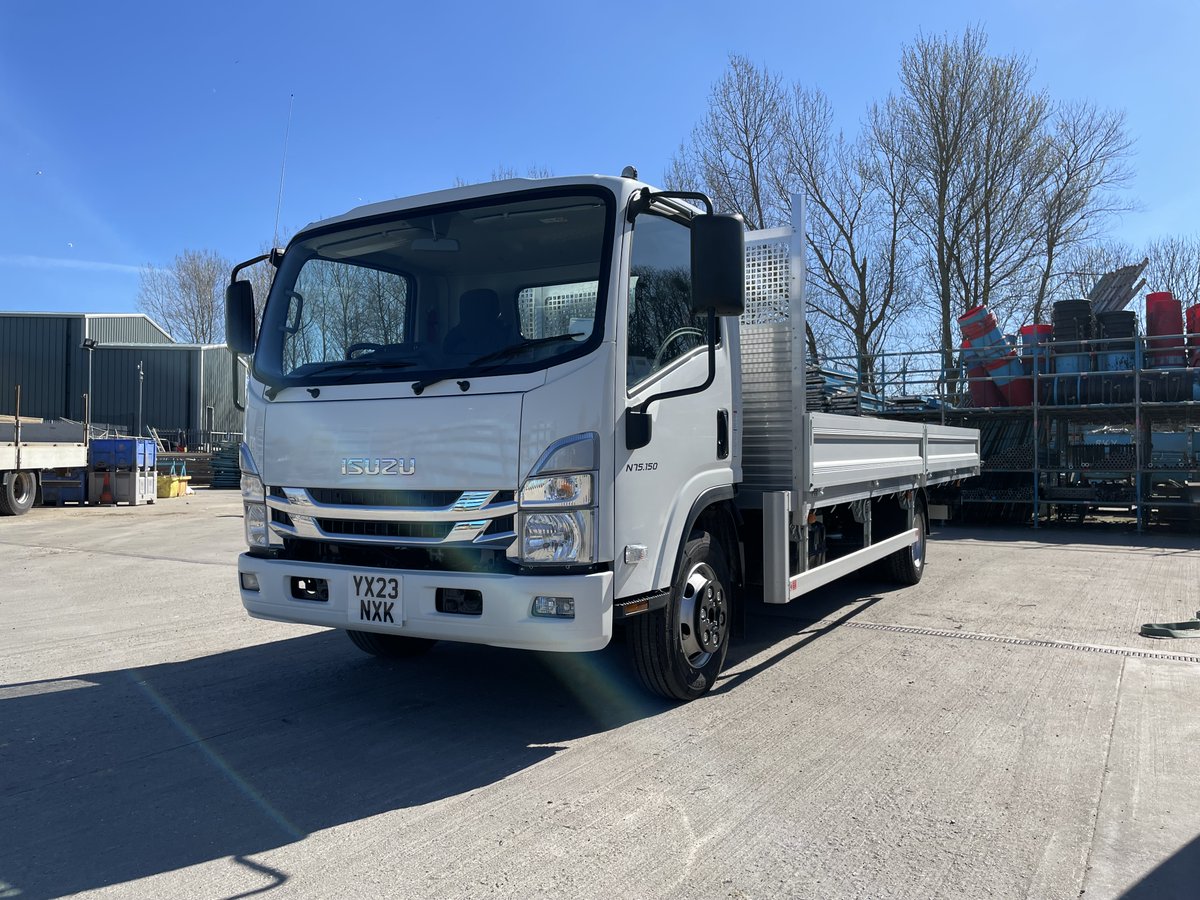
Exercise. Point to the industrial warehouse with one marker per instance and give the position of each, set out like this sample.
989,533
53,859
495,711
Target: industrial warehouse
128,364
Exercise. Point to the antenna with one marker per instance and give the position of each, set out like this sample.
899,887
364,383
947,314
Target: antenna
283,169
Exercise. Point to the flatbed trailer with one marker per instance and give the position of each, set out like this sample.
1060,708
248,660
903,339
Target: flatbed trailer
29,447
798,464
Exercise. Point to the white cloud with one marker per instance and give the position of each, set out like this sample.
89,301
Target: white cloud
54,262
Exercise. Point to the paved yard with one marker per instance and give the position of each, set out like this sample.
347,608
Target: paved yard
999,730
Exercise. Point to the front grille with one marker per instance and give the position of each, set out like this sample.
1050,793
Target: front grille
438,530
417,559
433,530
373,497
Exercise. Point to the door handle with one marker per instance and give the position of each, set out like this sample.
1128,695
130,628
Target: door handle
722,434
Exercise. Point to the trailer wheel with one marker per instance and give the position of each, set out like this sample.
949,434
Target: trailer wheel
678,651
17,493
908,565
390,646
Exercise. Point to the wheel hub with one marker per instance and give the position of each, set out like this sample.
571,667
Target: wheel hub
22,487
703,616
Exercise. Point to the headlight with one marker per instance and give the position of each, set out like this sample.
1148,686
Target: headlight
254,503
557,518
558,490
255,517
557,537
252,489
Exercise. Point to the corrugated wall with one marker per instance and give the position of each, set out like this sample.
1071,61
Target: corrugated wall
219,388
129,329
43,353
37,352
172,381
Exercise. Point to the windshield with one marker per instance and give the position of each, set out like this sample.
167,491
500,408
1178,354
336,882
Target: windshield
509,284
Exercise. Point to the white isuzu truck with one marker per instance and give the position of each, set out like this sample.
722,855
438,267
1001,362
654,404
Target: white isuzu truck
531,413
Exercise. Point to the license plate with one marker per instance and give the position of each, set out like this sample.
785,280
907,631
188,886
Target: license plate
376,599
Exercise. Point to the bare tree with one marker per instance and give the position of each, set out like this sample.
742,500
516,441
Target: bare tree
503,172
857,195
1081,266
1008,157
736,147
939,108
732,149
1088,150
187,297
1175,267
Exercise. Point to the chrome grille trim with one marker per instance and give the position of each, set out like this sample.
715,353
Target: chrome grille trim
478,504
462,533
466,519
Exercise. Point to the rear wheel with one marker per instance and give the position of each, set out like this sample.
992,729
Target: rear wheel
17,493
390,646
678,651
906,566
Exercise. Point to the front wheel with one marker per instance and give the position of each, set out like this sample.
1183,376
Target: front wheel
678,651
390,646
17,493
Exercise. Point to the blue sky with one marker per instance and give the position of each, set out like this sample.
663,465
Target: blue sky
130,131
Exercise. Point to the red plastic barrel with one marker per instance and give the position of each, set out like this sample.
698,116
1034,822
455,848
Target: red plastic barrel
979,326
984,392
1164,316
1193,327
1019,392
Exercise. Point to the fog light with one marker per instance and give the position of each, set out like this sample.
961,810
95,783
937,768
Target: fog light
460,602
249,581
554,607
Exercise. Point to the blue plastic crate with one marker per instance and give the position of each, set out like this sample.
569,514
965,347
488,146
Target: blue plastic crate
122,453
64,486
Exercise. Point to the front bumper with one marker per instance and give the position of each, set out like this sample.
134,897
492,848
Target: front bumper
506,621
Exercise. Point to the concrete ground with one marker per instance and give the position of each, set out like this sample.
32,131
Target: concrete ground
1000,730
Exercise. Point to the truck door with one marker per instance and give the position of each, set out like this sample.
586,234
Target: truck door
691,446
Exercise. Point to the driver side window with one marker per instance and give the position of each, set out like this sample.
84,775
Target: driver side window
661,325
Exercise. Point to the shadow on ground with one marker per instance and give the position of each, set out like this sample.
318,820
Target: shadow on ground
1059,537
114,776
1177,877
119,775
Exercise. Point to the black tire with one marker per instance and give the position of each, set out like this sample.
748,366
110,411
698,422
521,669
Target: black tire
908,565
390,646
678,651
17,493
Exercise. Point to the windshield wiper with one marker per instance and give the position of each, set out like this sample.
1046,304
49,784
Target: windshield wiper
358,365
514,349
502,353
355,366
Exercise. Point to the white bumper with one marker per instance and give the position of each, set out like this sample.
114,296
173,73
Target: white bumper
506,621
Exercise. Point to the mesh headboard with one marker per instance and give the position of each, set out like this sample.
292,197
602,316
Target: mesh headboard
768,401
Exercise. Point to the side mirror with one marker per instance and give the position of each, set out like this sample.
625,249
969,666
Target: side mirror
719,265
239,317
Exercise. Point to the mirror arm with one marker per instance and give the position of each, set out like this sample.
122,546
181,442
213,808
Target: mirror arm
237,384
275,256
637,425
646,198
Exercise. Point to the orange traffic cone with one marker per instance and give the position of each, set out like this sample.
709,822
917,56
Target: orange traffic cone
106,497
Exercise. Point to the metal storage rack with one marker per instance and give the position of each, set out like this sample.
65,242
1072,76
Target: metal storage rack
1036,466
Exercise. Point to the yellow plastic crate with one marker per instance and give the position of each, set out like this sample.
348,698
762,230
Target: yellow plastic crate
166,486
